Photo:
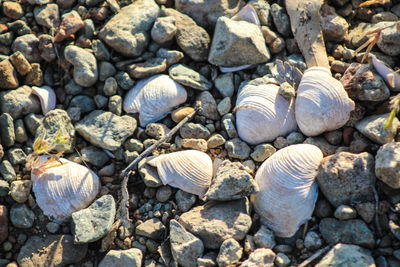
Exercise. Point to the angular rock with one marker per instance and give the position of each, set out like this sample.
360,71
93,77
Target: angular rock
47,15
8,76
387,164
152,228
52,250
345,255
262,152
230,252
372,127
237,149
346,178
389,40
131,257
85,65
105,129
215,140
94,156
334,27
7,171
28,45
281,19
260,257
312,241
184,200
149,174
163,30
224,84
188,77
172,56
208,105
194,130
128,31
70,24
264,238
216,223
13,10
231,181
20,63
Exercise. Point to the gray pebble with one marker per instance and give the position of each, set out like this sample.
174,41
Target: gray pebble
115,104
230,252
312,241
224,84
106,70
21,135
184,200
163,193
224,106
194,130
281,20
100,101
264,238
164,29
21,216
215,140
344,212
16,156
262,152
52,227
94,156
100,50
4,188
7,130
237,149
7,171
72,88
124,80
110,86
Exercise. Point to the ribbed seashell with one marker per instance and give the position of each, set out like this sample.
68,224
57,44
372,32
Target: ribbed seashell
154,98
288,191
47,97
61,189
390,77
321,104
189,170
262,114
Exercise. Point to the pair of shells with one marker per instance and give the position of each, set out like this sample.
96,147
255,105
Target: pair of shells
61,189
154,98
288,191
189,170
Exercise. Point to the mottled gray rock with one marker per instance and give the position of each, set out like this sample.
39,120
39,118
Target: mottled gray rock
358,35
131,257
295,138
231,36
152,228
85,65
231,181
229,126
224,84
188,77
133,144
282,260
52,250
262,152
172,56
163,193
85,103
260,257
47,15
20,190
184,200
350,231
334,27
326,148
224,106
194,130
372,127
185,247
7,130
230,252
264,238
218,222
366,211
28,45
347,255
100,50
215,140
21,216
163,30
94,222
105,129
312,241
237,149
208,106
149,174
128,31
346,178
389,40
281,20
106,70
7,171
344,212
387,164
94,156
156,130
19,102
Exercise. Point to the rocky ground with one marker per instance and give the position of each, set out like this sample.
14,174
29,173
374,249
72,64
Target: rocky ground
91,52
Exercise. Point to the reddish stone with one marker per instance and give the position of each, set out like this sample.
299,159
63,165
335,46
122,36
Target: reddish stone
3,223
8,75
70,24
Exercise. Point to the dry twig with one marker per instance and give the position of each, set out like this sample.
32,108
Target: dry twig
315,256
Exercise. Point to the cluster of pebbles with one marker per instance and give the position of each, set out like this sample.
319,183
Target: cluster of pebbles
91,52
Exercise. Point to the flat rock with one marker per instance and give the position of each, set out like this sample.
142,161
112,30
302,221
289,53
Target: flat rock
231,36
106,130
194,130
114,258
231,181
351,231
94,222
8,75
185,247
149,174
347,255
372,127
94,156
346,178
128,31
152,228
85,65
52,250
387,164
188,77
217,222
260,257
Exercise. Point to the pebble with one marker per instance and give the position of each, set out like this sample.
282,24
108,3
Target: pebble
334,137
243,36
28,45
287,91
149,174
260,257
231,181
133,145
46,48
35,76
115,104
280,142
263,10
84,103
101,52
281,20
326,148
217,223
47,15
351,231
295,138
20,63
152,228
163,193
264,238
185,247
215,140
372,126
106,70
179,114
172,56
21,135
224,84
343,254
156,130
387,167
94,156
12,10
52,227
366,211
184,200
229,125
3,223
70,24
312,241
345,178
194,130
344,212
8,75
237,149
163,30
224,106
188,77
198,144
230,252
282,260
20,190
334,27
85,65
208,106
394,229
105,129
21,216
7,130
150,67
4,188
388,41
262,152
7,171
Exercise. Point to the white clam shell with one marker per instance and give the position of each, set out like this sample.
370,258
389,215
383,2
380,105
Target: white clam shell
154,97
263,114
47,97
321,104
63,189
385,72
189,170
288,191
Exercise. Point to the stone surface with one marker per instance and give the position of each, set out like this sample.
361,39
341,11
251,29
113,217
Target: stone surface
7,171
20,63
152,228
7,130
131,257
21,216
312,241
230,252
47,15
163,30
188,77
94,222
344,212
237,149
215,140
347,255
217,223
209,106
224,84
85,65
264,238
262,152
8,75
185,247
334,27
149,174
346,178
70,24
387,164
260,257
388,41
20,190
28,45
12,10
52,250
106,130
128,31
281,19
184,200
372,127
194,130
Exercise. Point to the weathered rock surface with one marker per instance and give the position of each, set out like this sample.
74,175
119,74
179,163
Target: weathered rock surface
19,102
346,255
130,257
372,127
387,164
260,257
8,75
85,65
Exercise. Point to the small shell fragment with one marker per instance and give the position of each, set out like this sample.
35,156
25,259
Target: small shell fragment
47,97
390,77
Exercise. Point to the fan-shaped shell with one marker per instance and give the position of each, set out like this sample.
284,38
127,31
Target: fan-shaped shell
47,97
189,170
64,188
287,189
386,72
263,114
153,98
321,104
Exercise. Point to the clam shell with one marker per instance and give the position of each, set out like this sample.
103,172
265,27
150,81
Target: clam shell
63,189
386,72
263,114
47,97
189,170
288,191
154,98
321,104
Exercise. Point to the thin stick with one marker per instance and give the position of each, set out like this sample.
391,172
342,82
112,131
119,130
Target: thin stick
378,227
314,256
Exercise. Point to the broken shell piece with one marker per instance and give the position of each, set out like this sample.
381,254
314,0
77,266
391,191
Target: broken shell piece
288,191
62,189
262,114
390,77
47,97
321,104
189,170
154,98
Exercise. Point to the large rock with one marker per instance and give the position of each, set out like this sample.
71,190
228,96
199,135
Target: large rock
52,250
387,164
85,65
372,127
105,129
19,102
215,223
116,258
346,178
347,255
237,43
8,75
128,31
